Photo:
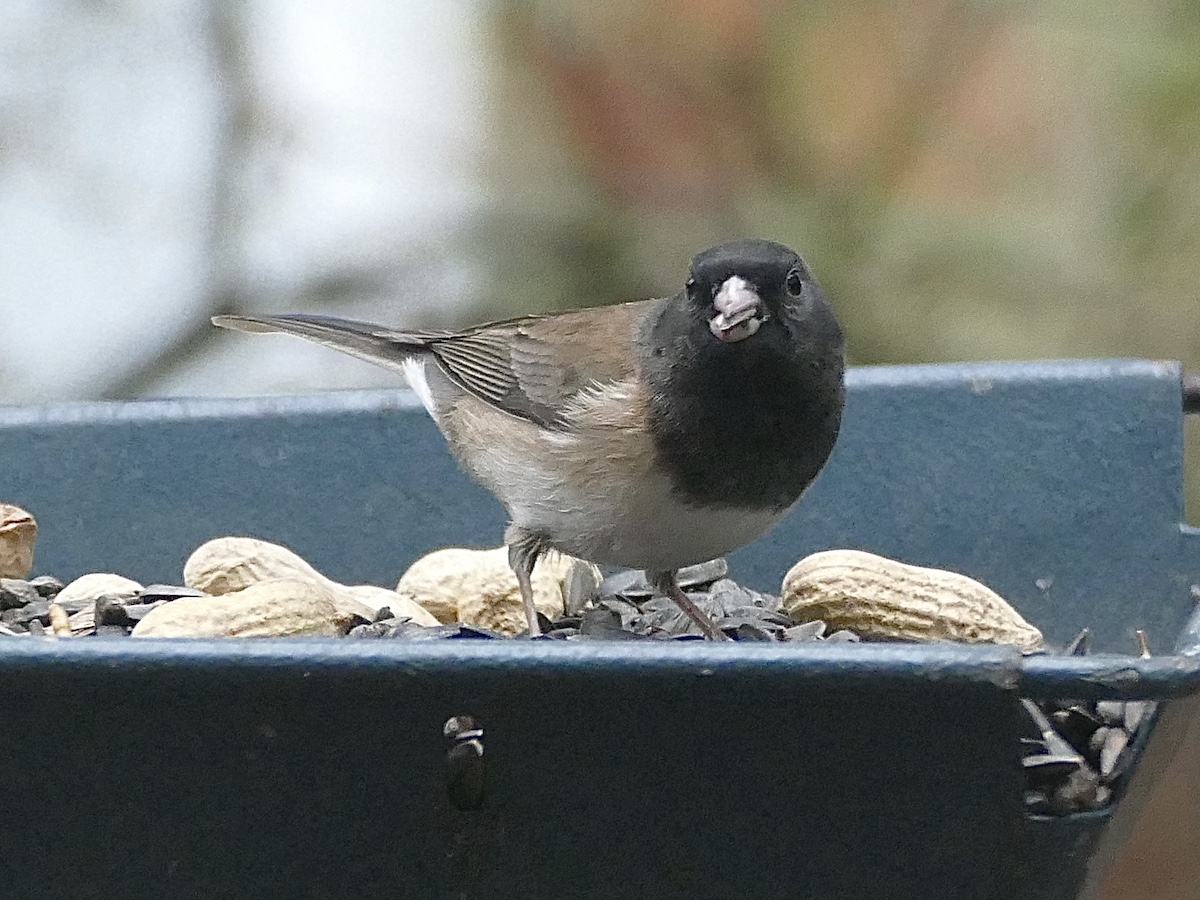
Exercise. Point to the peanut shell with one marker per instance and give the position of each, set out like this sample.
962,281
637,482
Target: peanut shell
878,597
279,608
227,564
477,587
18,535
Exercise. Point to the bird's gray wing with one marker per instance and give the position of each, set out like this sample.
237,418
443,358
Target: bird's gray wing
532,367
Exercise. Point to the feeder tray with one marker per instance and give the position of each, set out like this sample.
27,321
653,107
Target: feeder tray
327,768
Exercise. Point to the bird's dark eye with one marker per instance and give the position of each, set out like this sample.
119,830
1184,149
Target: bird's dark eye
795,283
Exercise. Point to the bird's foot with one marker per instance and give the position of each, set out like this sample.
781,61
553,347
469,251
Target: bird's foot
665,582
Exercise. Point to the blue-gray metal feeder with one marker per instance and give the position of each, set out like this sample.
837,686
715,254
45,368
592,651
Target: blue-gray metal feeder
317,768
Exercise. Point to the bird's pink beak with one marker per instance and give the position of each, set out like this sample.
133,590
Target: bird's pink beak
739,310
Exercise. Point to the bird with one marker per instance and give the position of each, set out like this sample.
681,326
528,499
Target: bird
652,434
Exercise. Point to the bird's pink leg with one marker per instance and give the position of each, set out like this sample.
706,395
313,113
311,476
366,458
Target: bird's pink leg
665,582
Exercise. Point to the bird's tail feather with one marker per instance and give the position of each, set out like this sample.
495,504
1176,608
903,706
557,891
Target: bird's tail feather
372,343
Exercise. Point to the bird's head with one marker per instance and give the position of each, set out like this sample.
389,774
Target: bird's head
742,286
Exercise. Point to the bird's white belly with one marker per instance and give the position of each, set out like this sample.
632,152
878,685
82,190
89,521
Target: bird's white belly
642,524
661,533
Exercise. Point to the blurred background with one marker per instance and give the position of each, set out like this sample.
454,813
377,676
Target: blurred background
970,180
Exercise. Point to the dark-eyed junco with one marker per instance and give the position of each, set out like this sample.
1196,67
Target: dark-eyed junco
654,434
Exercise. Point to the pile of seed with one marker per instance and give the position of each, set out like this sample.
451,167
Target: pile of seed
625,607
34,607
1076,753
